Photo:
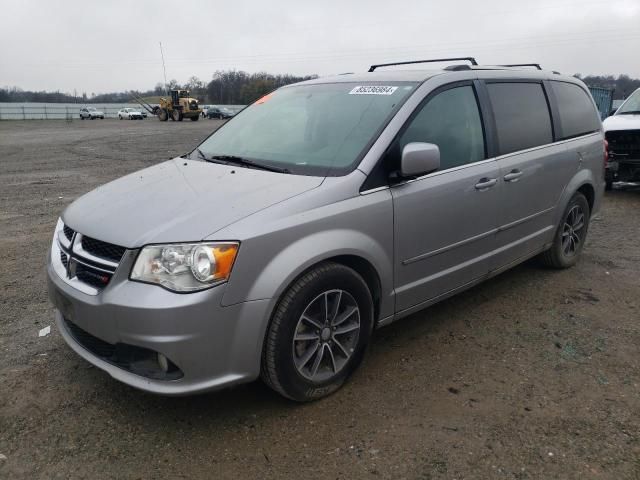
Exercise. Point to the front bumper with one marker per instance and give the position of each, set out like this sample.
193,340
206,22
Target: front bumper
213,346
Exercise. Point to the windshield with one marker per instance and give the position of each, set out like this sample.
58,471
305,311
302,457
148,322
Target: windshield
320,129
631,105
91,109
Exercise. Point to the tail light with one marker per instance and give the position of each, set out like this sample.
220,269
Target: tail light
606,152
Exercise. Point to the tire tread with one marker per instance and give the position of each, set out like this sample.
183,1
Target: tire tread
268,371
550,257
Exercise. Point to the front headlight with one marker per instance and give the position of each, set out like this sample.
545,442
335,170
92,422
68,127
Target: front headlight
185,267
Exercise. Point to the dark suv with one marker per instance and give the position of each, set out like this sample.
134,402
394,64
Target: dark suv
219,112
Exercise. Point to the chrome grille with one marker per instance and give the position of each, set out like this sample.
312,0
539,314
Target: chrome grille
92,276
84,262
68,232
64,258
103,249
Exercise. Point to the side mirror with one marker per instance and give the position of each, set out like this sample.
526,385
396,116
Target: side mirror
419,159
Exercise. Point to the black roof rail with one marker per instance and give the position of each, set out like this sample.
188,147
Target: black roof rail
468,59
456,68
536,65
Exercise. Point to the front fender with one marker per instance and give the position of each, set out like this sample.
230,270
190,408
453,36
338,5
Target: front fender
286,244
315,248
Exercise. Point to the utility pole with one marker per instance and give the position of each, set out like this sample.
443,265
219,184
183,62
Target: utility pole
164,70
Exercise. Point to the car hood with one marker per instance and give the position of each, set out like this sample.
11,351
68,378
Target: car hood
622,122
179,201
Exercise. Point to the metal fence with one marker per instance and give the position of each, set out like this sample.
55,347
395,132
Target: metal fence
68,111
51,111
604,100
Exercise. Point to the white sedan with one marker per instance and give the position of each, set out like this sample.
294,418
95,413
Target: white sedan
91,113
130,113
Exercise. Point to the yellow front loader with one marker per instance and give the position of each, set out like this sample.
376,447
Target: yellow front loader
177,107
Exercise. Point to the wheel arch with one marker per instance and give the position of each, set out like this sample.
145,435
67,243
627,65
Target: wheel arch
361,266
368,257
590,194
584,183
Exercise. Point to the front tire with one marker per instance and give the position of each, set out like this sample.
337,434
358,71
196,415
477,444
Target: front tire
195,119
318,334
570,236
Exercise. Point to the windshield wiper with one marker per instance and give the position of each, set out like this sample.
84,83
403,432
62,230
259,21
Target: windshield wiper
200,154
207,159
630,112
235,160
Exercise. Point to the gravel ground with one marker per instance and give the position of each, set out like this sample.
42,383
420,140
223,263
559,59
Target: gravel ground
533,374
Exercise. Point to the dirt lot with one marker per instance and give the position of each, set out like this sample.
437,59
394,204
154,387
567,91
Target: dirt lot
534,374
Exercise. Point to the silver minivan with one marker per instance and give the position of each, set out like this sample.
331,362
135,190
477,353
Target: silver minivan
322,211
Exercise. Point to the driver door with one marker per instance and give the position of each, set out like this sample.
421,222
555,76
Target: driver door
445,222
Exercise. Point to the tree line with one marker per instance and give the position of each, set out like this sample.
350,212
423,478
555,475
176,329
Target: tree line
622,85
233,87
226,88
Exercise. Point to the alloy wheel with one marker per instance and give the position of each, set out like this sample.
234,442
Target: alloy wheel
573,231
326,335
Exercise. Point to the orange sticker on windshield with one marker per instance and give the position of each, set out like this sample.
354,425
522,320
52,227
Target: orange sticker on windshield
264,99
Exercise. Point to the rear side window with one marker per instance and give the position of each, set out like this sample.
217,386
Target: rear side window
578,116
450,120
521,114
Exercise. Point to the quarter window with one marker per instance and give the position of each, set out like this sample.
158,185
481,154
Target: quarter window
450,120
521,114
578,115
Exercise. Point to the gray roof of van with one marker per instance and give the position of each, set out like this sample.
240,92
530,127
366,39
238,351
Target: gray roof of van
379,76
423,75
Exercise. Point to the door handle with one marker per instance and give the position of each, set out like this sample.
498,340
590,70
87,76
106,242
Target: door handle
485,183
513,176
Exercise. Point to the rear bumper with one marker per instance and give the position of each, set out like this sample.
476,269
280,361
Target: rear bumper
213,346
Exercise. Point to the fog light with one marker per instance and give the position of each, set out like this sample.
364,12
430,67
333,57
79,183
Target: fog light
163,363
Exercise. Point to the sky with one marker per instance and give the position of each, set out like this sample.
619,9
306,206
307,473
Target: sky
98,46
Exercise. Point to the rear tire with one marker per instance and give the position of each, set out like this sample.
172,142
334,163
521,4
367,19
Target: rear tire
570,236
608,185
318,333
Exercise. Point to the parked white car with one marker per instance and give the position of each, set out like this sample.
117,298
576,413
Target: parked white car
91,113
130,114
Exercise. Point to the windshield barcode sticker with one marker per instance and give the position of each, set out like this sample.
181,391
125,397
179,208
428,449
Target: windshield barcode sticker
373,90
